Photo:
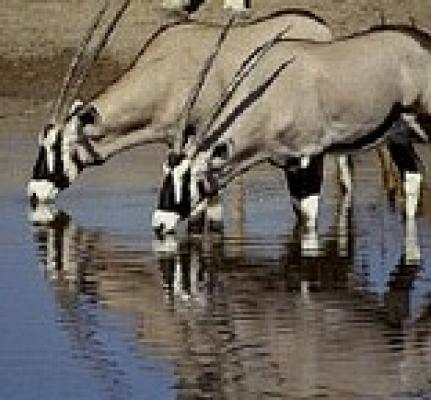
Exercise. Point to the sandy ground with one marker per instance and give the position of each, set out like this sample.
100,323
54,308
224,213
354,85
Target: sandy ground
37,36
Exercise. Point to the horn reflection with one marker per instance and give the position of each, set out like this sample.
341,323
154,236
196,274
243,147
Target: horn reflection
257,322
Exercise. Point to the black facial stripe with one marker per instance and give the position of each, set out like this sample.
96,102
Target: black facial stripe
60,180
40,169
167,201
167,193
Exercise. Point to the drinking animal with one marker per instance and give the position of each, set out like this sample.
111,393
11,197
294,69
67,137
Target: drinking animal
303,100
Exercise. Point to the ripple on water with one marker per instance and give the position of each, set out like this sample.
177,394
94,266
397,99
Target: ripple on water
264,311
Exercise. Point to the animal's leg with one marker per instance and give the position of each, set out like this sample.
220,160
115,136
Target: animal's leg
412,250
343,225
214,213
304,181
180,281
211,218
412,188
345,173
391,179
409,166
174,4
196,224
237,207
236,5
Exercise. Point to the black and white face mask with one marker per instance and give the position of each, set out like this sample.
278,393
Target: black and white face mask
58,162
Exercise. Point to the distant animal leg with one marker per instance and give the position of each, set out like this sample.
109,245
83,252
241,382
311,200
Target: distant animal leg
214,214
345,173
412,250
304,181
409,166
391,180
343,225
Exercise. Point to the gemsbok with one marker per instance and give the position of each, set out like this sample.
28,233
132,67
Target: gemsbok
145,104
302,100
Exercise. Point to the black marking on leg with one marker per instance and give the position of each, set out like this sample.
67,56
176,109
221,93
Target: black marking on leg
304,182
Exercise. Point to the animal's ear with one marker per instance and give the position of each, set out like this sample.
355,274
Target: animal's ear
88,116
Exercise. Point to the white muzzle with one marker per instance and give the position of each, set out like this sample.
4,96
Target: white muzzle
43,191
164,222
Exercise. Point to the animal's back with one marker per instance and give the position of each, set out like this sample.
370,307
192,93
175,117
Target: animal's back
330,91
163,76
182,49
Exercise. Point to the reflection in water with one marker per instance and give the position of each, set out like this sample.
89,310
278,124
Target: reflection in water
264,321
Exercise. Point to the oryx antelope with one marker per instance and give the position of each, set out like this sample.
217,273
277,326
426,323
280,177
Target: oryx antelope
145,104
302,100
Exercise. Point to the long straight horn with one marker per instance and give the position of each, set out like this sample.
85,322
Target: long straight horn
76,60
246,67
99,46
242,106
91,56
184,117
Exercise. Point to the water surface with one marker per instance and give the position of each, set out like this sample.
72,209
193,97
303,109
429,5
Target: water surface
92,307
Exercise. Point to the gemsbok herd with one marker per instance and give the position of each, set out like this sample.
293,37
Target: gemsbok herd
225,97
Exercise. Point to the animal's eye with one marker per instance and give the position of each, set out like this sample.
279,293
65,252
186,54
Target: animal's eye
88,116
220,151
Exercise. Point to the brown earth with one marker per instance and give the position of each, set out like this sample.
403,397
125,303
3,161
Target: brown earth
37,36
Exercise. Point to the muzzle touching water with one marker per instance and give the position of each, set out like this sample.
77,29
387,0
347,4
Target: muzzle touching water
56,166
164,222
41,191
42,214
183,195
174,195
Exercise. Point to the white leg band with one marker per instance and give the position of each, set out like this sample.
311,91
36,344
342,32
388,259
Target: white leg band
345,173
214,211
412,249
309,207
412,186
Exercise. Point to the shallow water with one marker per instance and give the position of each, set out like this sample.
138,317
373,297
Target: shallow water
92,307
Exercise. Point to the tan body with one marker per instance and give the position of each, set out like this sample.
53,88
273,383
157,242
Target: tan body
144,104
303,100
332,95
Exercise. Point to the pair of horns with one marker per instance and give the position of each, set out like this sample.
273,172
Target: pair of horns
246,67
85,56
184,117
